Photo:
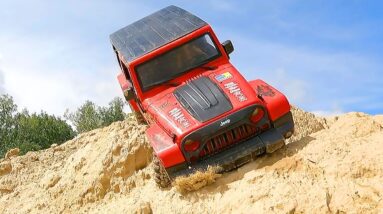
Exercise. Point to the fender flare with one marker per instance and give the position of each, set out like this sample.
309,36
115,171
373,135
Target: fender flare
166,150
276,103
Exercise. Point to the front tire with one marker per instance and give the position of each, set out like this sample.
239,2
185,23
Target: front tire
161,176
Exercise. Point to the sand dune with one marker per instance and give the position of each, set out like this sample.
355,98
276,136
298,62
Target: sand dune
330,165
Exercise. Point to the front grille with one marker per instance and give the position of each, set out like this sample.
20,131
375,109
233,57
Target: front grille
228,138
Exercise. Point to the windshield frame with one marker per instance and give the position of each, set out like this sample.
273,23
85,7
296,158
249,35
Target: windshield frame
188,69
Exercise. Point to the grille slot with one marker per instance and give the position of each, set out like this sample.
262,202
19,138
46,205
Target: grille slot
228,138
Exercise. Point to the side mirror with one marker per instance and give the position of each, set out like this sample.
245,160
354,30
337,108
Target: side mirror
228,46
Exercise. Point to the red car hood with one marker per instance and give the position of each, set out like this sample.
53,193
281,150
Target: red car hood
200,101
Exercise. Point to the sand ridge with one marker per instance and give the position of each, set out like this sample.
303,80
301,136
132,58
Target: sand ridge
330,165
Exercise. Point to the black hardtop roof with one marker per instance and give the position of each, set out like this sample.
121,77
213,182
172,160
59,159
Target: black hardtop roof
154,31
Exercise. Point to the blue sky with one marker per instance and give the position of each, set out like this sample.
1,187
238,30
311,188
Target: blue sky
326,56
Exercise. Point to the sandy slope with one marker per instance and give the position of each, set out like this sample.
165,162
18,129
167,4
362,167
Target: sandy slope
332,165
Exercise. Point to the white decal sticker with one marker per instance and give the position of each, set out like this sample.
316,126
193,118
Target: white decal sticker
235,90
178,116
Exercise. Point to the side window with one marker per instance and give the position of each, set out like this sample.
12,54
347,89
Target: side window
122,65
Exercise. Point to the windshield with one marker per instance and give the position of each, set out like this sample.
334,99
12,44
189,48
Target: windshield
176,61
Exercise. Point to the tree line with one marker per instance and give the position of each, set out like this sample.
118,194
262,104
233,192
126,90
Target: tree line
35,131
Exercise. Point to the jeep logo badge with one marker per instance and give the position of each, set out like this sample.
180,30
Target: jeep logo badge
225,122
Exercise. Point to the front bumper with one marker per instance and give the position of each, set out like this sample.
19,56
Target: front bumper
242,153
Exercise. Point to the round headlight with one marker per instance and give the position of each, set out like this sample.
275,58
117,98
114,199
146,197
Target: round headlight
191,145
257,115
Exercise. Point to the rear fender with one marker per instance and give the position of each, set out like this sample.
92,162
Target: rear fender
166,150
124,83
275,102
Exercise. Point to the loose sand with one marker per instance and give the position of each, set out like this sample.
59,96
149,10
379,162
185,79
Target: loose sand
330,165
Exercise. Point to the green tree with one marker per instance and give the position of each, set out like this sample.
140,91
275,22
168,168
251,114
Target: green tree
89,116
40,131
29,132
114,112
8,111
85,118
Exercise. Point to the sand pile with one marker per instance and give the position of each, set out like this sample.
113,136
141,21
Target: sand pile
83,170
330,165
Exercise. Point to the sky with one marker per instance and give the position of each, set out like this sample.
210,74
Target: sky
326,56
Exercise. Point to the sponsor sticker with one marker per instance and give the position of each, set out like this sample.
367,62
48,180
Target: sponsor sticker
265,90
164,105
235,90
178,116
223,76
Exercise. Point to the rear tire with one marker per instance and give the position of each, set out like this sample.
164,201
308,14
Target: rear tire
161,176
139,118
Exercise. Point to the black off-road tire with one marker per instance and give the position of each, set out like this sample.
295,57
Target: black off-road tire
160,175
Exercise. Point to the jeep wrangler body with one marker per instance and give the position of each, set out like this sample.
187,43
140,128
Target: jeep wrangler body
200,110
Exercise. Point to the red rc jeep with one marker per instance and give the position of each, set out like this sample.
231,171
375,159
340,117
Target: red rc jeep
200,110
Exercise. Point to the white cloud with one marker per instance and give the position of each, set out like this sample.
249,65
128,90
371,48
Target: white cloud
314,79
2,80
333,108
2,89
327,113
38,81
295,87
58,55
54,92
